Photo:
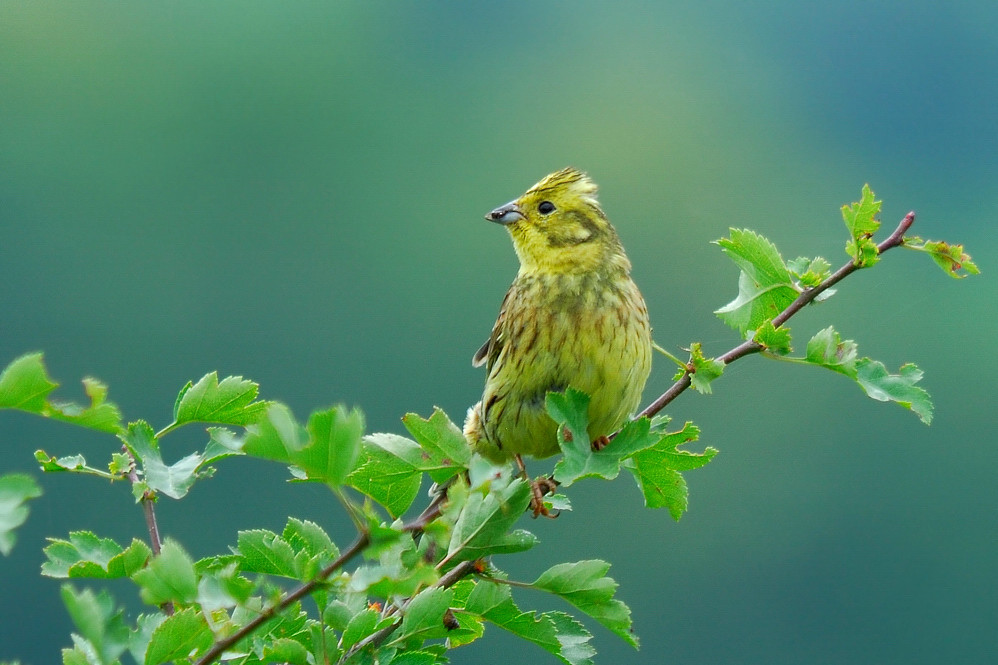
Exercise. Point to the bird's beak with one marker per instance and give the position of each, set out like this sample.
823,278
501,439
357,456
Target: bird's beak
507,214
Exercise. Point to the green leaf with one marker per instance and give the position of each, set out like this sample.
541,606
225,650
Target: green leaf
86,555
230,402
442,440
26,385
482,527
263,551
860,219
775,340
424,615
69,463
145,626
810,272
555,632
571,411
173,480
286,651
102,629
362,624
828,350
15,490
388,471
883,386
951,258
277,436
180,636
333,447
168,577
658,469
100,415
765,287
705,370
585,585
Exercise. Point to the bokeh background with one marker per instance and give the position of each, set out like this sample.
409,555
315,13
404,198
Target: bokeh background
294,192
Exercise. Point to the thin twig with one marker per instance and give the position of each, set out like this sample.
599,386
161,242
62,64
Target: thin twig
749,347
219,647
417,525
148,502
449,579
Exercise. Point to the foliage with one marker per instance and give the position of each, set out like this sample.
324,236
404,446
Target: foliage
411,586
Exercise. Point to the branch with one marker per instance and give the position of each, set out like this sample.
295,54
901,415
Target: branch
458,572
749,347
219,647
417,525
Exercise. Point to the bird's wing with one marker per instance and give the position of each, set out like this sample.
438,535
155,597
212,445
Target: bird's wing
489,351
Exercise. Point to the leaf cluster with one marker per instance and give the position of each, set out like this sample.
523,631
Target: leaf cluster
410,587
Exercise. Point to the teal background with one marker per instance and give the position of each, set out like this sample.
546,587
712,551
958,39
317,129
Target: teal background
294,192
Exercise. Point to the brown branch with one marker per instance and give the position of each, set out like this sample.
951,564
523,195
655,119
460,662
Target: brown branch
458,572
417,525
805,298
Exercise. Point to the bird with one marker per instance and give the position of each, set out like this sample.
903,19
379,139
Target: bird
573,317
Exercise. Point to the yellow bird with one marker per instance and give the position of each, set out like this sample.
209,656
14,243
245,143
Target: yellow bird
572,317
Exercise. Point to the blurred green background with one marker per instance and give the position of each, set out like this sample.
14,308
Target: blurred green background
294,192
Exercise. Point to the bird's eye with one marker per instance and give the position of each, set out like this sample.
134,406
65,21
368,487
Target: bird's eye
545,208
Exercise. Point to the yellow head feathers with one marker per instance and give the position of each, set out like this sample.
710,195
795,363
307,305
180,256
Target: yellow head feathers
557,226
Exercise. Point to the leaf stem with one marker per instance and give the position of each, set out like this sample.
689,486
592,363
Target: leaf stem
750,347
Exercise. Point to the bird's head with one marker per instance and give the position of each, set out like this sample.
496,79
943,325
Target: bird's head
557,226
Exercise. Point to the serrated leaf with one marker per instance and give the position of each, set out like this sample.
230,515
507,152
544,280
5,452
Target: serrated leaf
333,445
951,258
658,470
883,386
101,626
555,632
168,577
309,537
424,615
100,415
705,370
388,471
362,624
86,555
571,411
775,340
483,524
810,272
180,636
263,551
765,287
585,585
68,463
26,385
145,626
276,436
286,651
828,350
442,440
173,480
860,219
229,402
15,490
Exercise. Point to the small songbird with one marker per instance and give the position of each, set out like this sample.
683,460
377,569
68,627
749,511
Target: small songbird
572,318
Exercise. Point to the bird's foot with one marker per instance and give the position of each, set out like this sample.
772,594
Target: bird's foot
538,489
599,443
